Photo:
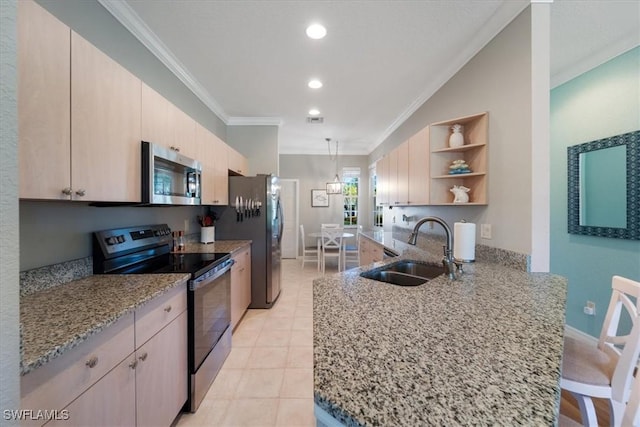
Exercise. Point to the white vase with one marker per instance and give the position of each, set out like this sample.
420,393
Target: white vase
207,234
456,139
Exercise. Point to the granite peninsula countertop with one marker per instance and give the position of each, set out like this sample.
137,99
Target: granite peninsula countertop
482,350
59,318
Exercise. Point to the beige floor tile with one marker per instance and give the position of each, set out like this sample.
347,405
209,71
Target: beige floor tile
302,323
268,357
283,310
216,414
260,383
199,418
300,357
297,383
279,323
252,323
251,412
238,358
301,337
295,413
225,384
273,338
245,337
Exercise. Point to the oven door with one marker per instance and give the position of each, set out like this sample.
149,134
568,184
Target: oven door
210,316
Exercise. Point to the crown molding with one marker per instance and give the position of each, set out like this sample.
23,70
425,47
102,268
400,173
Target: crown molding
132,22
254,121
490,29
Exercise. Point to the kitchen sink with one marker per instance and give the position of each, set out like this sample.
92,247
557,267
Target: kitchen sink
405,273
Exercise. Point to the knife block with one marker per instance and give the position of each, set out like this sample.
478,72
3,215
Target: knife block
207,234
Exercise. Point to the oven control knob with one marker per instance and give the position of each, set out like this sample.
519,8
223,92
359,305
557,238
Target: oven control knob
110,241
121,239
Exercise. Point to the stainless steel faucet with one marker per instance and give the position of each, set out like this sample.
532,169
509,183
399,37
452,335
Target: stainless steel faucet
448,260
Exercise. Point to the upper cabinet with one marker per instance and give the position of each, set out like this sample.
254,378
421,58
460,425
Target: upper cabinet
382,181
44,106
105,126
237,162
215,190
398,175
473,151
419,168
165,124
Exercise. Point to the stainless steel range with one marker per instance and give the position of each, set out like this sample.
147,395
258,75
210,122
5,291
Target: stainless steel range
147,250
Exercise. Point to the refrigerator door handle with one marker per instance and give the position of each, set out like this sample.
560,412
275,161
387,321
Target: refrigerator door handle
280,220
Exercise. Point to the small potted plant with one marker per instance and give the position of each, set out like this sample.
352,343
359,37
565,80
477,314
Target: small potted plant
207,227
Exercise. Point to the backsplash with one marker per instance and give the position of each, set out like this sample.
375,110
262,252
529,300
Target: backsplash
42,278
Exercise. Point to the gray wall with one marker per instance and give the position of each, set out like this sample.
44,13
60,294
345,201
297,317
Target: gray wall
497,80
9,288
259,144
93,22
313,172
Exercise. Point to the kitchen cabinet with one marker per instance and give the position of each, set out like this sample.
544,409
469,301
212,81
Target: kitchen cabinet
165,124
134,372
240,285
238,164
44,106
398,175
474,152
105,127
215,178
370,251
382,181
418,170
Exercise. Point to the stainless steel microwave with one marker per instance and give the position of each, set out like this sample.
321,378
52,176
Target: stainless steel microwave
168,177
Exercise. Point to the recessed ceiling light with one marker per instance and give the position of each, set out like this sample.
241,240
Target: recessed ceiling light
316,31
314,112
315,84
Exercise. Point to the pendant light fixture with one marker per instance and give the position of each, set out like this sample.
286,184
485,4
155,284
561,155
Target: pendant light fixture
334,187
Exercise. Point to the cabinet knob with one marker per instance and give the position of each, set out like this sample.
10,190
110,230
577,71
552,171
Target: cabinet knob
143,357
92,362
133,364
81,192
167,308
66,191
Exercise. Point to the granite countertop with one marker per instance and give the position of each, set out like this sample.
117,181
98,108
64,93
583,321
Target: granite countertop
58,317
482,350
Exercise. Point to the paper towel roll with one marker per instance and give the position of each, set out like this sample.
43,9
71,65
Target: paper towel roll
464,241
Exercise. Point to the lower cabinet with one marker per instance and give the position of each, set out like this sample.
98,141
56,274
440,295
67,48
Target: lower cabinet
134,373
370,251
240,285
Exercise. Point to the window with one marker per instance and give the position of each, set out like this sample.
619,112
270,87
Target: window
350,180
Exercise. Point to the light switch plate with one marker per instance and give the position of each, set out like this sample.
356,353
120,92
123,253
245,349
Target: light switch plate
485,231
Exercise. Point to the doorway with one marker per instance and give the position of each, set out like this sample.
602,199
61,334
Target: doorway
289,197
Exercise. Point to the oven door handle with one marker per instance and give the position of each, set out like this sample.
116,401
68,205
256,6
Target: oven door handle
210,277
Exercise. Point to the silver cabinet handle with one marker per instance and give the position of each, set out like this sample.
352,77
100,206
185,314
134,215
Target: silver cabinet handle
92,362
81,192
67,191
143,357
167,309
133,364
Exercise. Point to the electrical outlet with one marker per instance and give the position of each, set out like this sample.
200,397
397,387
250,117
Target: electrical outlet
186,226
485,231
590,308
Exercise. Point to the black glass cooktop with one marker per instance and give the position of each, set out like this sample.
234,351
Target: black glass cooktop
194,264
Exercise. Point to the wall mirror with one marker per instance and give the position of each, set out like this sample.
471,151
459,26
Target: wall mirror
604,187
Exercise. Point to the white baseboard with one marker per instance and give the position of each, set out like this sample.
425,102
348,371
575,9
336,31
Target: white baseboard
574,333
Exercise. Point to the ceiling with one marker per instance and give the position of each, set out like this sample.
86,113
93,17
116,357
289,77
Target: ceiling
250,61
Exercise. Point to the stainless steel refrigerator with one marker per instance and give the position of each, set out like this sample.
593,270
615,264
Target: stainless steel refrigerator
255,213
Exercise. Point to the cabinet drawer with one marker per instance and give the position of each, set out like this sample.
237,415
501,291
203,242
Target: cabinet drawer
56,384
159,312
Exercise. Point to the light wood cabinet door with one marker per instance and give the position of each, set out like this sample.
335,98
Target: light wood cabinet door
44,118
237,162
419,168
105,127
221,167
183,132
402,174
382,181
213,156
154,121
240,285
109,402
161,375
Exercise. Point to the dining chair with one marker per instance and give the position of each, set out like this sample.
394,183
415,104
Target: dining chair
330,226
352,248
309,253
606,370
331,246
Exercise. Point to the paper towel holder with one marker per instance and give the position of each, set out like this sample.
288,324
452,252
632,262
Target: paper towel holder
458,261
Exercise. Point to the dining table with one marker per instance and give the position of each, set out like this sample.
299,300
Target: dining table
318,236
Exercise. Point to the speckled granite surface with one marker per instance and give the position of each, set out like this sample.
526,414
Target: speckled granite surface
482,350
58,319
42,278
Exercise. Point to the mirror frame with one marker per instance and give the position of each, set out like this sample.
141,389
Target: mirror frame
632,232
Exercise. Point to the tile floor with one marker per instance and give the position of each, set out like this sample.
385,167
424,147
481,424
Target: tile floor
267,380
